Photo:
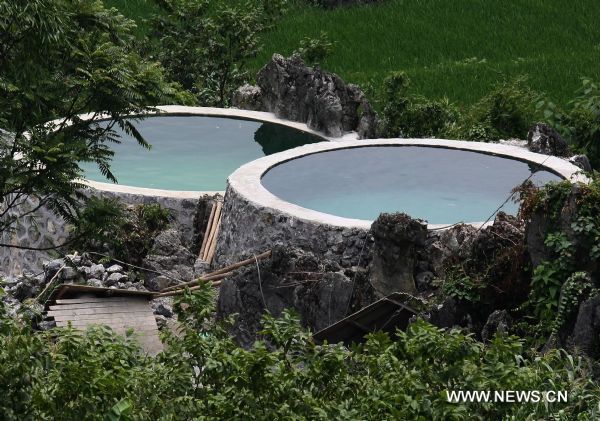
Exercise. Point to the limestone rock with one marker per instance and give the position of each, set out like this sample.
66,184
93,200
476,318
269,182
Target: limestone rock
322,100
318,289
247,97
170,259
582,162
498,321
396,238
114,269
586,333
545,140
115,278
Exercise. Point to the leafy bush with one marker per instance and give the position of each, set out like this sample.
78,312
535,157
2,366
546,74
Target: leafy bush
107,226
508,111
558,283
63,374
412,116
314,50
205,45
59,59
584,121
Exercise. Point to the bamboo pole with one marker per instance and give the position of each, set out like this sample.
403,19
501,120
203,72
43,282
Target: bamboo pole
213,244
207,231
223,270
213,228
181,291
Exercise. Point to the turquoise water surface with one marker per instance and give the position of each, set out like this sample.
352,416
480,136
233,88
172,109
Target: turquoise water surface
194,152
442,186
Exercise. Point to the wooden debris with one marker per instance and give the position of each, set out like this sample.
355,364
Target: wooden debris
124,311
220,273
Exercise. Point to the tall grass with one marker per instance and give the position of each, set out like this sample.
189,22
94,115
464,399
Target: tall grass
453,48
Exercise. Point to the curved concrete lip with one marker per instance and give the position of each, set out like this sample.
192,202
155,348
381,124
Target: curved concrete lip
246,181
180,110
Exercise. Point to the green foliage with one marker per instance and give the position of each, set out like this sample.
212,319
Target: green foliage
461,286
314,50
577,288
557,286
205,45
411,116
59,59
508,111
583,121
503,37
107,226
203,373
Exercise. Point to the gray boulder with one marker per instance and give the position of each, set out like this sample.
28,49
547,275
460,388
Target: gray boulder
247,97
168,260
545,140
498,321
582,162
115,278
318,289
396,239
322,100
586,333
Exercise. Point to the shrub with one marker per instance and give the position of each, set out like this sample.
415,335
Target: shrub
413,116
107,226
63,374
506,112
314,50
205,45
583,121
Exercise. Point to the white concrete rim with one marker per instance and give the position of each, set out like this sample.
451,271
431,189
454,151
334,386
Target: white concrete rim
246,181
181,110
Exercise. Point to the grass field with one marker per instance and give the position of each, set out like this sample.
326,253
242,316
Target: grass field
453,48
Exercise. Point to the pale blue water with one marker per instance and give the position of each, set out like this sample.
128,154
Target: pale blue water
442,186
193,152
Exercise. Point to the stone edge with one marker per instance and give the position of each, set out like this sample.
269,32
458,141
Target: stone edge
246,180
181,110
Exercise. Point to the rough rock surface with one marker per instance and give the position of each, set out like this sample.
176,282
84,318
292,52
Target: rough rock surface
582,162
545,140
322,100
586,332
171,259
248,228
498,321
248,97
540,224
396,238
318,289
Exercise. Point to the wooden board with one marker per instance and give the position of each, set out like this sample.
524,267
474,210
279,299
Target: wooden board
123,314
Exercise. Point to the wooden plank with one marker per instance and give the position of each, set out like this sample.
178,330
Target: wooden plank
99,310
123,330
109,304
105,316
92,300
141,323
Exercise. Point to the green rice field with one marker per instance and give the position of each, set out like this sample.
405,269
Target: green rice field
456,48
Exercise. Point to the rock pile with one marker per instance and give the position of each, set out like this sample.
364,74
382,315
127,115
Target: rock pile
80,270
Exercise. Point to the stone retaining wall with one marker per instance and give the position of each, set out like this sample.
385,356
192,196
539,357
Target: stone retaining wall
45,229
249,228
